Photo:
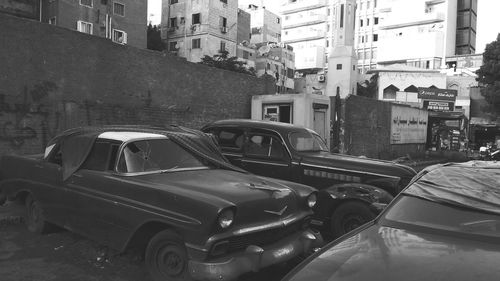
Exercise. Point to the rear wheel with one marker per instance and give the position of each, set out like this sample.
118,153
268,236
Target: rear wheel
166,257
349,216
35,219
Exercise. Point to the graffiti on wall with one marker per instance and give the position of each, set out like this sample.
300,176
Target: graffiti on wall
28,115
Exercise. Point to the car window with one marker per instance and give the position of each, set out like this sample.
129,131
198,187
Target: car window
101,157
306,141
421,212
156,155
231,138
55,155
264,146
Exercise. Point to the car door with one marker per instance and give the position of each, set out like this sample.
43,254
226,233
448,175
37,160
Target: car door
92,191
230,140
265,154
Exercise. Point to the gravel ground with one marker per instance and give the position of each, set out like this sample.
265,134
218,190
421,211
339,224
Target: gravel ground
65,256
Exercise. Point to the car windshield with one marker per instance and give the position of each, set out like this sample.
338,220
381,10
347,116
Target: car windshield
156,155
442,216
306,141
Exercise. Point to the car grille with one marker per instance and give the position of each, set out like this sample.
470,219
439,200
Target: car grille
262,238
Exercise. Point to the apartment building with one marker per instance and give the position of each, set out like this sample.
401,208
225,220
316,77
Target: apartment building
193,29
422,33
21,8
367,34
266,25
122,21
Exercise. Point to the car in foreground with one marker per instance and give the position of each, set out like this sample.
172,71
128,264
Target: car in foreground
444,226
352,190
167,192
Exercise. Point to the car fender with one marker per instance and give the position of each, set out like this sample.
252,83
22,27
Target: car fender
330,198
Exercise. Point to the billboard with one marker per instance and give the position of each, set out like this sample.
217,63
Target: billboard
408,125
437,94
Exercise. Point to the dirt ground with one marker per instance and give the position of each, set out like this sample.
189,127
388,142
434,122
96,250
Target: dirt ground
65,256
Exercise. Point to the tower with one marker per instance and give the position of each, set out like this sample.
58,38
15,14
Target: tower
342,59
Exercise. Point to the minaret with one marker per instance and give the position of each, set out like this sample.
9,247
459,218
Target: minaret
342,60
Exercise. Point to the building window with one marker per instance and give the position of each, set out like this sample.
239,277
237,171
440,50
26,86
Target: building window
222,46
360,22
85,27
104,2
339,66
375,37
174,2
361,6
224,1
341,15
88,3
328,12
222,22
172,46
367,22
245,54
173,22
375,20
119,9
278,20
52,20
368,4
196,43
374,3
119,36
196,18
327,43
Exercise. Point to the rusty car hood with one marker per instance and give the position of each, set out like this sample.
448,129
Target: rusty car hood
386,253
354,163
255,197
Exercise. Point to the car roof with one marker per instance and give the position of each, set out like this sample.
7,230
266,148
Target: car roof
473,184
260,124
125,136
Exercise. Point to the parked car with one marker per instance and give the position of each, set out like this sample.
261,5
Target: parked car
168,192
352,189
444,226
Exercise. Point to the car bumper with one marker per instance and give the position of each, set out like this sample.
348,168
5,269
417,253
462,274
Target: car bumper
254,257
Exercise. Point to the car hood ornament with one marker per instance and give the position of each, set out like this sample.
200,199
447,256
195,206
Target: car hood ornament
278,213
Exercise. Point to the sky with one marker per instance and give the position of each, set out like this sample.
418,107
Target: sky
488,21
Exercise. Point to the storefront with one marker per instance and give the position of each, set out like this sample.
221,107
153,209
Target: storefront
447,129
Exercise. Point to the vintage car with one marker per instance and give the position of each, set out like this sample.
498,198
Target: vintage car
444,226
168,192
352,190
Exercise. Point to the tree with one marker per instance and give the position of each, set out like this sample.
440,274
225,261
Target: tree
489,76
154,38
222,60
369,88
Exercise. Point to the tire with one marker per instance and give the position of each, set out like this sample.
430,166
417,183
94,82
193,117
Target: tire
35,219
349,216
166,257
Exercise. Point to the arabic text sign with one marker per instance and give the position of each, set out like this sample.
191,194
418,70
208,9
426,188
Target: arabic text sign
408,125
438,105
437,94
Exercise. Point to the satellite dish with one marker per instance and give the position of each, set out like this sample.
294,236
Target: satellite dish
264,50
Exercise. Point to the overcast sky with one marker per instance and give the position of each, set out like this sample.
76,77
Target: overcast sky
488,20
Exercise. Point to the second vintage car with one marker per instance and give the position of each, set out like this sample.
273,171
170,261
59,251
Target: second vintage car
352,190
167,192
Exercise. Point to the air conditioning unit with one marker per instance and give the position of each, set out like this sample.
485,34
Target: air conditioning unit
223,29
194,27
321,78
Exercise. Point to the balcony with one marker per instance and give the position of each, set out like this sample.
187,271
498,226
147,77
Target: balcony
302,35
308,20
302,6
419,19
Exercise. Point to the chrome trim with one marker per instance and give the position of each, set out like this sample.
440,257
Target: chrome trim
267,163
351,171
232,154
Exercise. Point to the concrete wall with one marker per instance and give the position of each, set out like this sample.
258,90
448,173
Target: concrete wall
52,79
366,130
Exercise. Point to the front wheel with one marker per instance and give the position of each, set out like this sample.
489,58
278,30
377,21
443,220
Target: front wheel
35,219
166,257
349,216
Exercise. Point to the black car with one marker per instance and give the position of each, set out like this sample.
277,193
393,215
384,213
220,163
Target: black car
444,226
352,189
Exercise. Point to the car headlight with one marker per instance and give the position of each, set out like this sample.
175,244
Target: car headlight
311,200
226,218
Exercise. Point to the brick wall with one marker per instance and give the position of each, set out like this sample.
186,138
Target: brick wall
52,79
366,130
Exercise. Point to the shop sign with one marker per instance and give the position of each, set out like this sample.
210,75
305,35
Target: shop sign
437,94
438,105
409,125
